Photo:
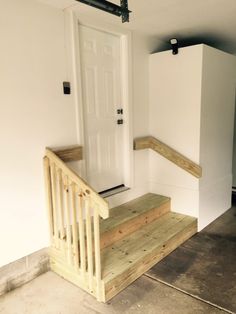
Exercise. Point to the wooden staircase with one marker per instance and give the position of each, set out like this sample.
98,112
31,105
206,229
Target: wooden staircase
130,217
138,235
103,250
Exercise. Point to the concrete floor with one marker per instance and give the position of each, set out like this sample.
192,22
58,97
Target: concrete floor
204,266
50,294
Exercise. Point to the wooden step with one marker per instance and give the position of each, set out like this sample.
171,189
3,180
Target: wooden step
131,216
130,257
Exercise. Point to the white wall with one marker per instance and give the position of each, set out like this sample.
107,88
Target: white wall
192,99
175,105
34,114
217,126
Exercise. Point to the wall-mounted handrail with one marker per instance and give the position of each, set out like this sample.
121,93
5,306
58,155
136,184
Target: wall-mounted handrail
169,153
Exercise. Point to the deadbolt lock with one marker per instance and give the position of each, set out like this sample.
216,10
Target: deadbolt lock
120,121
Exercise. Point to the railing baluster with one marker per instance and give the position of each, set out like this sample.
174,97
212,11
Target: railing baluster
74,228
68,224
89,243
54,202
61,205
81,234
74,211
96,222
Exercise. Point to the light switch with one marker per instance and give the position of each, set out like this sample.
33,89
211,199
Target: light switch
66,88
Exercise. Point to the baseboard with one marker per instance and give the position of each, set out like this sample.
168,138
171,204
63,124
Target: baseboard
23,270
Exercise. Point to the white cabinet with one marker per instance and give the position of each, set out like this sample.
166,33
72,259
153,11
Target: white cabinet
192,99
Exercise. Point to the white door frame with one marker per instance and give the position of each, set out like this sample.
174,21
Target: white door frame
72,21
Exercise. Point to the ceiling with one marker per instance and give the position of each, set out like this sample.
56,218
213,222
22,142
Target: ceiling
212,22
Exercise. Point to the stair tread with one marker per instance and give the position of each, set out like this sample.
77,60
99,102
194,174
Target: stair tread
125,253
132,209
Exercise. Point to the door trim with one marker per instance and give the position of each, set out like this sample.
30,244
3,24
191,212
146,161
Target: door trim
72,21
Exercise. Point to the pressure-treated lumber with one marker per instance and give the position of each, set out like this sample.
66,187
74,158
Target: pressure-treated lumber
68,222
129,217
89,244
61,267
74,228
103,257
129,258
104,207
97,250
69,153
54,203
81,236
48,190
61,204
169,153
74,216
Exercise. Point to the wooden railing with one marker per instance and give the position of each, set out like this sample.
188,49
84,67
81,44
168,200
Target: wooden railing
169,153
74,217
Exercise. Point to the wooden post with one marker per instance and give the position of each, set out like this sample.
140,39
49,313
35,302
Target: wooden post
74,228
48,188
89,243
81,235
54,203
96,221
61,205
75,234
68,223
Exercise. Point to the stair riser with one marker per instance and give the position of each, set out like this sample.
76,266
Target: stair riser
140,267
121,231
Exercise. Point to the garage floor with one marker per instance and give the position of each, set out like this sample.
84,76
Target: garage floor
199,277
205,265
49,294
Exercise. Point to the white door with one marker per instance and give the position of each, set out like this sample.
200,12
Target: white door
101,84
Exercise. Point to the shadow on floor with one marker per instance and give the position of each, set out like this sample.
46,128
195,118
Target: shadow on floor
205,265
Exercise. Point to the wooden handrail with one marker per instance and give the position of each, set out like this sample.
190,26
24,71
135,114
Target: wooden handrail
74,211
104,209
169,153
69,153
